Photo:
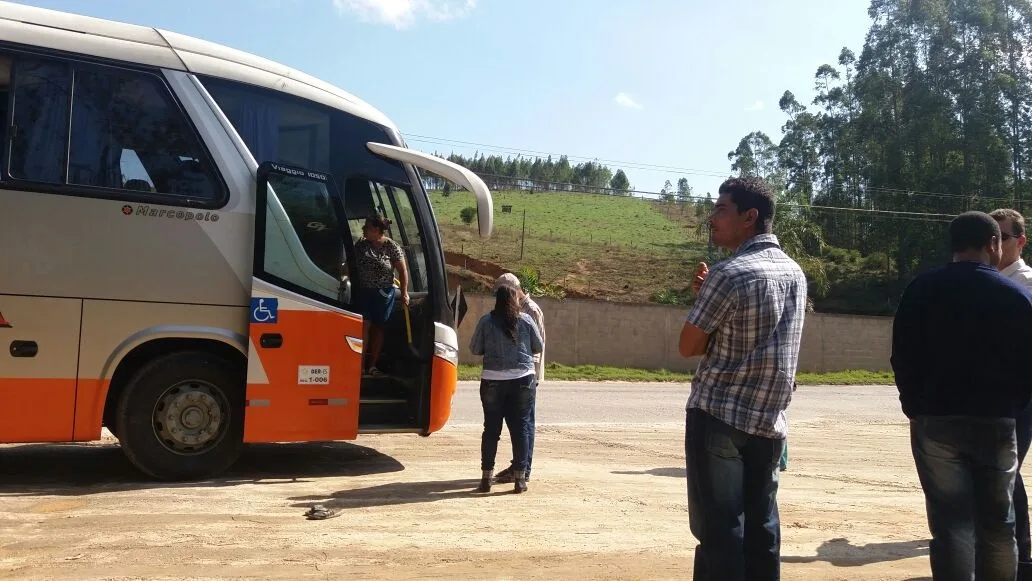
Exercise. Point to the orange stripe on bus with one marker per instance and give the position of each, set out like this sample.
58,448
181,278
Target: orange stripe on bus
89,409
36,410
442,388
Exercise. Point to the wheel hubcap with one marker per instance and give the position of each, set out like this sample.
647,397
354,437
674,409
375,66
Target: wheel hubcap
189,417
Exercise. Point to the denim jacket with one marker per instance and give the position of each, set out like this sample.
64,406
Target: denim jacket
500,353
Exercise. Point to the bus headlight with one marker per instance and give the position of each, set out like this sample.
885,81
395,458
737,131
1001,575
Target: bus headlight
446,352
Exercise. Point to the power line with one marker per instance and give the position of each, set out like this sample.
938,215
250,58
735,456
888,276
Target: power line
569,187
629,164
901,214
677,170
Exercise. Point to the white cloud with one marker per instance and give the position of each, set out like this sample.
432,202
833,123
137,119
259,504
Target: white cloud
403,14
625,100
757,106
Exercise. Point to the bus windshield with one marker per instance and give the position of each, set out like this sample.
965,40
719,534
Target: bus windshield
283,129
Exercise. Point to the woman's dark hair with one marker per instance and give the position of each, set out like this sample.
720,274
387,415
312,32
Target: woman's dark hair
506,311
378,221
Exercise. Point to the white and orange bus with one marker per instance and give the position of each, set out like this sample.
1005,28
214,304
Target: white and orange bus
177,225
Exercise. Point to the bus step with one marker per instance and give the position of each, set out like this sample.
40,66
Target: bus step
381,400
388,429
396,415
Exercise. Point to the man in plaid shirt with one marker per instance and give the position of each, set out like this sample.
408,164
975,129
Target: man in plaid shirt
747,321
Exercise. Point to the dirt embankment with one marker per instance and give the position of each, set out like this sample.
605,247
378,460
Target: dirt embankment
478,275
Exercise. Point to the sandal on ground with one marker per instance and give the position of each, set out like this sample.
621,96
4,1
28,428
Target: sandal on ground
320,512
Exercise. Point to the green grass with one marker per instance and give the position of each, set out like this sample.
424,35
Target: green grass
558,372
852,377
608,247
572,217
626,249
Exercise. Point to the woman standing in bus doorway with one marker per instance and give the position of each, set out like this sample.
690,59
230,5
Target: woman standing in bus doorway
378,256
508,341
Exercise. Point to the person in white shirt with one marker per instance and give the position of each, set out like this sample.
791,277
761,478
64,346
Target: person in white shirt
1012,228
1012,242
528,306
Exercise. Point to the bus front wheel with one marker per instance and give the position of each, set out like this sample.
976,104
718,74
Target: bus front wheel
182,416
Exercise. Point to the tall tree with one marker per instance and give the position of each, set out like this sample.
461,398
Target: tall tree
934,117
667,193
684,191
619,182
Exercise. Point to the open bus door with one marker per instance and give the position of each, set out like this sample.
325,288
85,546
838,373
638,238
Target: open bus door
305,353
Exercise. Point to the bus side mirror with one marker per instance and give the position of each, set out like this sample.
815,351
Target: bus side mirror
458,307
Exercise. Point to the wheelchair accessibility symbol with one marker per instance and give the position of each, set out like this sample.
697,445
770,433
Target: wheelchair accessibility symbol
264,310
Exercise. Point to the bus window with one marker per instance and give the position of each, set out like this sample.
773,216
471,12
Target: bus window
310,256
127,134
42,97
275,128
104,127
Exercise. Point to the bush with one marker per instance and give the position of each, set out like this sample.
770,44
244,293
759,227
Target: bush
532,285
876,261
467,214
672,297
841,255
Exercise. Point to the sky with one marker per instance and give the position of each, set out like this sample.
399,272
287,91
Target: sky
672,83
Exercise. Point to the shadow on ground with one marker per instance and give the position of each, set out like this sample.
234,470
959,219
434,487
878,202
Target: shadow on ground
674,472
842,553
77,469
395,493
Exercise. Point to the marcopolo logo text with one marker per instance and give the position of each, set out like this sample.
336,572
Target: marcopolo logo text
170,213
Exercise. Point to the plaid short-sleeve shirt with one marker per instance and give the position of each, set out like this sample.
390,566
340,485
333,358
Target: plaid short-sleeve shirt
752,307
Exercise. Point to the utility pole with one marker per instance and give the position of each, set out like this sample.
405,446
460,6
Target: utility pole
523,237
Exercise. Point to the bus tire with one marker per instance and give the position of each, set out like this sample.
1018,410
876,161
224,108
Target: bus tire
181,416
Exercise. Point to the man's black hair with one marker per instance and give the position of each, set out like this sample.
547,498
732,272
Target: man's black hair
972,231
749,193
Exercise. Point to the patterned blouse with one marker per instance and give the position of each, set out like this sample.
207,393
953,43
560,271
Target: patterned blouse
375,268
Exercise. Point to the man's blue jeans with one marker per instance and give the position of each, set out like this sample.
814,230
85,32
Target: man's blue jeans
732,500
509,401
1023,431
967,467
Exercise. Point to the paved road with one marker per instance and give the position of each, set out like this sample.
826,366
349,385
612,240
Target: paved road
663,403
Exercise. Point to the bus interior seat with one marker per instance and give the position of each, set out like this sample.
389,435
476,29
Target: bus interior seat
138,185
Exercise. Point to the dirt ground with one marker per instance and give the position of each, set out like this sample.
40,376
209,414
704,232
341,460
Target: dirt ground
606,501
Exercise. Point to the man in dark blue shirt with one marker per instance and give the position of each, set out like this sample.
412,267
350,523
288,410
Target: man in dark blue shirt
961,351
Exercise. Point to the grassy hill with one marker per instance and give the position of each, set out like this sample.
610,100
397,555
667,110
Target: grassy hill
607,247
626,249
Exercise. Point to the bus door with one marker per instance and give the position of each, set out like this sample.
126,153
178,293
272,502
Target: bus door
305,354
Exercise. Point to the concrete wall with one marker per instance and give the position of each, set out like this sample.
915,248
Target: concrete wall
582,332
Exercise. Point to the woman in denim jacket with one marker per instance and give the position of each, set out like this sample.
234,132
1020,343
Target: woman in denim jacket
508,340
